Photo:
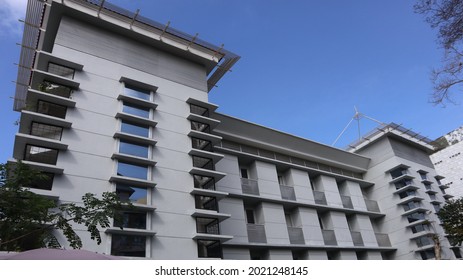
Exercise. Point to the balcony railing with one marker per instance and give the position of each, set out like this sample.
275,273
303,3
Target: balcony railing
296,236
287,192
249,186
256,233
347,202
383,240
372,205
329,237
357,238
319,197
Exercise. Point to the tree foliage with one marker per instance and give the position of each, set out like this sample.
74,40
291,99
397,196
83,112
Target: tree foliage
447,17
451,216
29,221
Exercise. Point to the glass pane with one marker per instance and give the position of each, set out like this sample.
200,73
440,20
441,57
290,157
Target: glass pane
41,154
198,110
51,109
133,149
202,127
135,129
206,202
132,170
56,89
128,193
209,249
46,131
44,183
128,245
136,110
61,70
204,182
130,220
137,92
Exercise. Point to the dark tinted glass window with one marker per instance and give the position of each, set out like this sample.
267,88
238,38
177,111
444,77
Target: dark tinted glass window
209,249
56,89
51,109
128,245
45,182
130,219
41,154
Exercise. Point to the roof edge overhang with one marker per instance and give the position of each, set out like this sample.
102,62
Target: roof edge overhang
394,131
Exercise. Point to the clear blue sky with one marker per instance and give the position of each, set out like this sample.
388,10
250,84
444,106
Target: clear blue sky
304,65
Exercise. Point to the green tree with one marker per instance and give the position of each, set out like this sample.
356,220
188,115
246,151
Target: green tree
451,216
447,17
29,221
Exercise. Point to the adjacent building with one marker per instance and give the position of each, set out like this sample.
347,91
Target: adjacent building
448,161
112,101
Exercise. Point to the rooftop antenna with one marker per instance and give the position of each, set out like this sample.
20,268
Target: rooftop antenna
357,116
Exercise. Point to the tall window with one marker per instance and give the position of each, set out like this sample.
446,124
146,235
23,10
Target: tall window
135,129
127,193
136,110
137,92
46,131
132,170
129,148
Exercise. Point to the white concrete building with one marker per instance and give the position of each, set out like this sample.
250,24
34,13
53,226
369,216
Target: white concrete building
117,102
448,161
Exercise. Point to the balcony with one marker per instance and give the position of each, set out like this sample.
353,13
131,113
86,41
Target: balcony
319,197
256,233
296,235
357,238
287,193
347,202
372,206
329,237
249,186
383,240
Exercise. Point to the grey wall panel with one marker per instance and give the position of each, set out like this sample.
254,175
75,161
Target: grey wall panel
408,152
104,44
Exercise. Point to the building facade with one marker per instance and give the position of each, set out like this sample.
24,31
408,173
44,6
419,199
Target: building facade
448,160
111,101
